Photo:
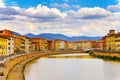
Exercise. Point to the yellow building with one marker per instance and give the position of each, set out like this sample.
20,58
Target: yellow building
84,45
16,44
57,44
110,41
22,44
70,45
3,46
117,42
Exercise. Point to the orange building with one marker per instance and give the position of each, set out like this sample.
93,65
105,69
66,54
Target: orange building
39,44
104,43
51,45
97,45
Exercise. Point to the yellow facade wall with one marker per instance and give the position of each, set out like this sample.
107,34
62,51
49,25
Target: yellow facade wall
3,46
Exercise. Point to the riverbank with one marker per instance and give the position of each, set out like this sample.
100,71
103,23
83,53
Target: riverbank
106,55
16,73
14,68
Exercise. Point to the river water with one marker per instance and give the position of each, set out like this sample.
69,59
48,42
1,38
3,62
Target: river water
72,69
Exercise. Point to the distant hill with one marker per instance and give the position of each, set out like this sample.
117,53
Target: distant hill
51,36
74,38
30,35
16,33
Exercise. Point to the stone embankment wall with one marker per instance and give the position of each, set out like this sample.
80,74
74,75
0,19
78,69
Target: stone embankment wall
107,55
9,65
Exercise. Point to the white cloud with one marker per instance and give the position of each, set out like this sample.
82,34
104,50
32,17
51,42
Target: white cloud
95,12
77,6
43,10
64,5
86,21
54,4
118,2
114,7
2,3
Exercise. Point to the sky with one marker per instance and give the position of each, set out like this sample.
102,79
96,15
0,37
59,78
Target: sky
68,17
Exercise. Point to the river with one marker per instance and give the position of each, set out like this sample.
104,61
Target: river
72,69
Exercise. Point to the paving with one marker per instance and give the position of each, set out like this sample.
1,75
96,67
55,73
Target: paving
17,72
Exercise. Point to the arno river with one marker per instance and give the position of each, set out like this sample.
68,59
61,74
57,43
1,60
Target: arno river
72,69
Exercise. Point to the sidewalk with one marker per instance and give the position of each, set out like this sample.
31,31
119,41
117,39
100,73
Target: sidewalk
17,72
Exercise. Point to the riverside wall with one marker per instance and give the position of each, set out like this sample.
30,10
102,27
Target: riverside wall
11,63
114,56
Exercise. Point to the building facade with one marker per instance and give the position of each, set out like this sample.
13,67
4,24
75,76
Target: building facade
39,44
117,42
3,45
10,45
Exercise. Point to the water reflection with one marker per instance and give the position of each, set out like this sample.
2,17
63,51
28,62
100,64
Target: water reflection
72,69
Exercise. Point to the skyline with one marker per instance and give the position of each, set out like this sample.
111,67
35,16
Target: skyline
71,18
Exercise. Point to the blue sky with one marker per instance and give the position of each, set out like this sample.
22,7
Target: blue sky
69,17
71,3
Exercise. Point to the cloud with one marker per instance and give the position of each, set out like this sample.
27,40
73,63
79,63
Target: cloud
92,13
77,6
2,17
54,5
114,7
8,11
2,3
43,11
41,19
64,5
39,13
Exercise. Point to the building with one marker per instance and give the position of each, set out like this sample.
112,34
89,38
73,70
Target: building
25,43
3,45
51,45
10,45
62,45
110,41
17,44
57,44
39,44
117,42
80,44
70,45
104,43
84,44
97,45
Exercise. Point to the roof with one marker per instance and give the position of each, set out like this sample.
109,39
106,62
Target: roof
3,36
118,34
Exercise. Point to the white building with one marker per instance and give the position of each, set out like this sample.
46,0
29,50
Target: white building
62,44
10,46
